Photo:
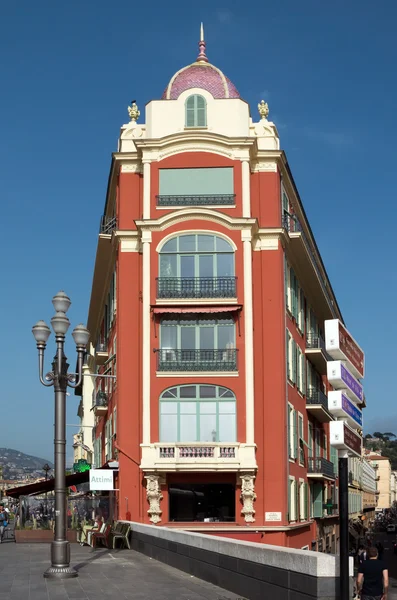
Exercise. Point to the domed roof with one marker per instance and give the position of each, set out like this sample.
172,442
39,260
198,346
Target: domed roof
201,74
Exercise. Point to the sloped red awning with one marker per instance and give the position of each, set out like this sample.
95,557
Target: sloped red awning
195,309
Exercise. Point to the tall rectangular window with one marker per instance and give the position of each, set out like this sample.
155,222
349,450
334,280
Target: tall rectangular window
292,432
302,500
310,439
204,181
301,440
292,499
318,500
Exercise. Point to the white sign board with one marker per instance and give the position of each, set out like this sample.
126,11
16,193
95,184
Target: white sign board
101,479
340,405
341,378
273,516
340,345
344,438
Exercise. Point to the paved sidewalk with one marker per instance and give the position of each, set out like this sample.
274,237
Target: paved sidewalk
118,574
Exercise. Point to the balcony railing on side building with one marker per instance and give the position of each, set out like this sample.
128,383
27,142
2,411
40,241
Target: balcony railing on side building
321,466
315,396
100,399
196,287
292,224
199,200
196,360
101,346
108,224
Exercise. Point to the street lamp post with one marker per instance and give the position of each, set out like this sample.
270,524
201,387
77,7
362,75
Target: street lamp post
60,379
46,468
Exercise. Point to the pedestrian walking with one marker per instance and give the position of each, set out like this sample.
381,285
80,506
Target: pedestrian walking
3,522
373,577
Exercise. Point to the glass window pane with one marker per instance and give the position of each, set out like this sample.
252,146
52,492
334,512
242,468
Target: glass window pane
207,408
187,391
226,337
207,391
190,102
188,338
227,408
207,338
187,266
208,431
205,243
169,408
206,266
187,243
227,428
168,337
168,265
188,408
225,265
171,393
222,245
170,246
188,430
201,120
168,428
200,101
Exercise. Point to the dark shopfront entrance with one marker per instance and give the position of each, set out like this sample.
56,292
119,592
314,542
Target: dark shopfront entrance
204,502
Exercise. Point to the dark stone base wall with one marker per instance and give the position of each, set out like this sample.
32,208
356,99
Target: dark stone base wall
250,580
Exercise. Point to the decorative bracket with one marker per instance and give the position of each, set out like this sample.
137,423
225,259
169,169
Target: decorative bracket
154,497
248,497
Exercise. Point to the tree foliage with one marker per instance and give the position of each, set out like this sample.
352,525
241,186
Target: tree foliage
384,444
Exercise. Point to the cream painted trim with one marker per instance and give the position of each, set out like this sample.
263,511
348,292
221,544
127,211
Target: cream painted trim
267,243
213,206
168,237
131,168
264,166
130,245
199,213
245,180
146,190
249,337
196,374
195,302
242,528
146,241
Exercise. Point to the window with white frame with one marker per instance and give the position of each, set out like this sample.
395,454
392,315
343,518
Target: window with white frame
301,371
295,299
292,499
310,439
292,432
301,440
303,504
197,413
291,357
196,111
114,420
325,443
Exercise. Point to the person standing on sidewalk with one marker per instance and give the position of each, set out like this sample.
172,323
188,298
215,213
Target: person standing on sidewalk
3,522
373,577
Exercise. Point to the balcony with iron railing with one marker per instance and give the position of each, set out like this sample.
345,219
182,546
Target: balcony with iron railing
196,360
197,200
196,287
100,403
302,249
317,405
107,225
316,353
101,351
320,468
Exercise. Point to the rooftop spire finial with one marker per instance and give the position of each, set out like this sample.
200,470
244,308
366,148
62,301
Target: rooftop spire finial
202,57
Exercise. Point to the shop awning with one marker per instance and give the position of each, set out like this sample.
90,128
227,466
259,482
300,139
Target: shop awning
33,489
195,309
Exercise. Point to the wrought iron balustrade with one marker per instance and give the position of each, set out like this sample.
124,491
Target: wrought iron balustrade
100,399
321,466
101,346
314,396
314,341
196,360
196,287
196,200
108,224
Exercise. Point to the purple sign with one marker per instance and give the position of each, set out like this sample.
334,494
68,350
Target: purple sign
352,410
351,382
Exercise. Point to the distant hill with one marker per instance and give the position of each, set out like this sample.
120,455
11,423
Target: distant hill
17,465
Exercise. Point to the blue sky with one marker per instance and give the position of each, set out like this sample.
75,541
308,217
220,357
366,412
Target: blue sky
68,72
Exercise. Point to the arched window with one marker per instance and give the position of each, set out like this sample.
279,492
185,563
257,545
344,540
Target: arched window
196,266
196,111
197,413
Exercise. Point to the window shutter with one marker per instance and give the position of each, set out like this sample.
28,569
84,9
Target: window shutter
318,500
289,516
289,432
294,352
302,310
286,273
303,389
200,107
295,426
298,370
305,501
297,508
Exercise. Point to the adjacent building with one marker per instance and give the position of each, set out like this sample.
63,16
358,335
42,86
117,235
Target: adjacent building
383,477
207,376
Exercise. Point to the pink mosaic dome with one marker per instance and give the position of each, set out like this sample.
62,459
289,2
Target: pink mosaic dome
201,74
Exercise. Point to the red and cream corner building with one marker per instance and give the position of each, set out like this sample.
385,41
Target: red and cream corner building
209,295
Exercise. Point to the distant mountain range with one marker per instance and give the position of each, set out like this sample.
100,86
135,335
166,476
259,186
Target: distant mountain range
17,465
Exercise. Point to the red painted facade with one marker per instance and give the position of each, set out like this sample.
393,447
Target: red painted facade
273,520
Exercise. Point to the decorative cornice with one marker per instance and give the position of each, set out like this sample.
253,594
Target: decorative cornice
131,168
198,213
264,166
